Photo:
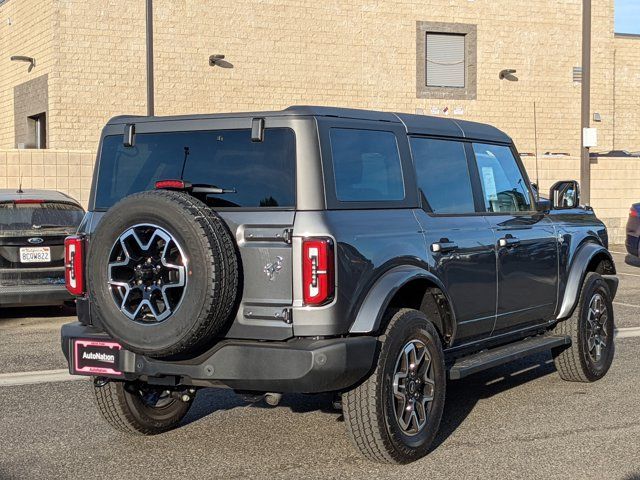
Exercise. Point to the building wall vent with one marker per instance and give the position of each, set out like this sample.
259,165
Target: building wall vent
577,74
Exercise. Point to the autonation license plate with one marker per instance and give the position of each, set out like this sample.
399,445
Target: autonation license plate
35,254
94,357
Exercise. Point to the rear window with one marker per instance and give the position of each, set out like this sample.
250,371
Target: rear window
366,165
26,216
261,173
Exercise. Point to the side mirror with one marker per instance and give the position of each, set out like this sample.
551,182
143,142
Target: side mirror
565,194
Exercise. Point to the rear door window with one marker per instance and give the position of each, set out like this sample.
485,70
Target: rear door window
366,165
503,185
260,174
443,175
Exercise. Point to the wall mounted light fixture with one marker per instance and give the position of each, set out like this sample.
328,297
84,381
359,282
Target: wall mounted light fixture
508,74
22,58
218,60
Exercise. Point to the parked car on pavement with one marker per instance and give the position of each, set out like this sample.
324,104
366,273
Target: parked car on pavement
33,226
633,230
369,254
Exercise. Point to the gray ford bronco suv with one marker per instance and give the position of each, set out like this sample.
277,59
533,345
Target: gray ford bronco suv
371,255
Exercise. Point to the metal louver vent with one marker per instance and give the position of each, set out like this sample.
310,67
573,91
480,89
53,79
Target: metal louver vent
445,62
577,74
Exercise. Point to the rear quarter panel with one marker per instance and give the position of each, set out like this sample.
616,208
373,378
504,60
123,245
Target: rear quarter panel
368,244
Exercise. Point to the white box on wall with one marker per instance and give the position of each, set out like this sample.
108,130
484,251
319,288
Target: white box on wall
589,137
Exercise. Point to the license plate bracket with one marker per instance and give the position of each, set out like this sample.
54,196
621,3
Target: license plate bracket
96,357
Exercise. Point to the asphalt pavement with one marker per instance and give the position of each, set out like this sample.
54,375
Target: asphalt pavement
516,421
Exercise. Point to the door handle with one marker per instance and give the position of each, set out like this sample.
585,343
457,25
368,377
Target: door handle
508,241
443,247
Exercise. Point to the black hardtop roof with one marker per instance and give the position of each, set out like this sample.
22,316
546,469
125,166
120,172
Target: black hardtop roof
414,124
9,195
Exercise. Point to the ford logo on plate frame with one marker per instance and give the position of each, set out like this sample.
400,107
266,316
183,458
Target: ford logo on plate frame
35,240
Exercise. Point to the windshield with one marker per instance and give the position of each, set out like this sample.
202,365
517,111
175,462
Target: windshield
253,174
27,216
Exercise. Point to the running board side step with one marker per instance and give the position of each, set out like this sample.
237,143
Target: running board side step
463,367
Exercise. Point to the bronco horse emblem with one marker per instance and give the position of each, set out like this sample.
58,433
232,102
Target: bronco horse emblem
271,269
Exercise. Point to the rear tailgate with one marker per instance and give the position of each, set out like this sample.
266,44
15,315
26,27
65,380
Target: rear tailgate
32,257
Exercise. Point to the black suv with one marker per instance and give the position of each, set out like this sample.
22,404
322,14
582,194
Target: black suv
314,249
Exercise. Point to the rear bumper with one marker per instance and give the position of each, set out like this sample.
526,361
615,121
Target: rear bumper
29,295
298,365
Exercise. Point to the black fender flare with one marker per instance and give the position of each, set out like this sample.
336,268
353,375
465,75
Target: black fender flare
577,272
379,297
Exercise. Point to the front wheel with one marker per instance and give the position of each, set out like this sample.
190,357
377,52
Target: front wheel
139,409
591,328
394,415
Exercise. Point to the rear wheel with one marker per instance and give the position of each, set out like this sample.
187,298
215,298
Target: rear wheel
394,415
591,328
139,409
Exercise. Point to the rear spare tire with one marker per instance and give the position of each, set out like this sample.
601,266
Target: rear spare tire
162,273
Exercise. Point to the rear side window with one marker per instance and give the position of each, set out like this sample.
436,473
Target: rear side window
443,175
366,165
261,173
503,185
26,216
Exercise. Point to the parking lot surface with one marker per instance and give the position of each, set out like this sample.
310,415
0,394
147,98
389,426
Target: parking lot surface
517,421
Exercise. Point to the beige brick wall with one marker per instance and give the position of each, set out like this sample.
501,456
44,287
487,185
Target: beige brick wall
627,93
68,171
26,28
356,53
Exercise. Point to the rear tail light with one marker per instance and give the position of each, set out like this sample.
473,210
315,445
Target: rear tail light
74,265
318,276
27,201
633,212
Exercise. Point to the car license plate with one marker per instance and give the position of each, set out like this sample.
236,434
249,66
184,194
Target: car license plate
95,357
35,254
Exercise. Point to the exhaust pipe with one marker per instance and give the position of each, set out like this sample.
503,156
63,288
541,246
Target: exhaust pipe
273,399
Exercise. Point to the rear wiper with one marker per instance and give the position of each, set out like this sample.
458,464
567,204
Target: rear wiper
203,188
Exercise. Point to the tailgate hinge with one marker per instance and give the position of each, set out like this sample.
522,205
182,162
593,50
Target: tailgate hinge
287,235
287,316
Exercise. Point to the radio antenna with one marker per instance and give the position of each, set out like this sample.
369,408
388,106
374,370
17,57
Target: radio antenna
535,136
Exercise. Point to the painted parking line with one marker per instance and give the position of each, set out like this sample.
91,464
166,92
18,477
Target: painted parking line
628,274
626,304
628,332
42,376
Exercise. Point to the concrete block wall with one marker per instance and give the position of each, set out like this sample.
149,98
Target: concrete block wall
69,171
615,185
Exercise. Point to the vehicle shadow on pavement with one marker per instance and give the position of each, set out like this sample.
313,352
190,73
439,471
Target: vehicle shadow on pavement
36,312
463,395
210,400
